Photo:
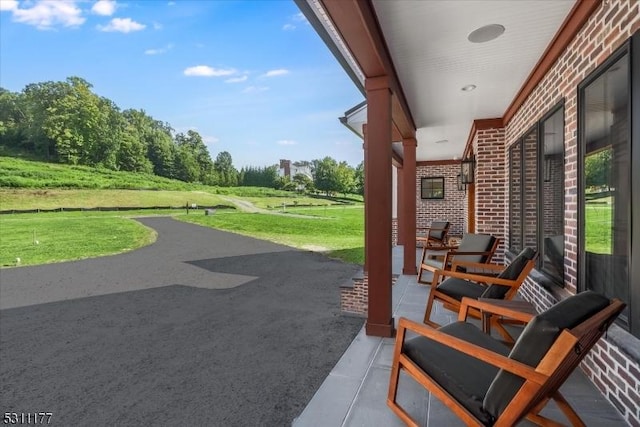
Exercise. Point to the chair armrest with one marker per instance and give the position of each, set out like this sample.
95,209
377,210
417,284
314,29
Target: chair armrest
480,265
518,368
443,248
489,280
491,308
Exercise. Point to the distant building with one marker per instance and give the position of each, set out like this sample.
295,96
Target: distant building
292,169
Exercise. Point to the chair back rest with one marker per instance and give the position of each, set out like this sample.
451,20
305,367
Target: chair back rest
438,230
476,243
517,270
587,315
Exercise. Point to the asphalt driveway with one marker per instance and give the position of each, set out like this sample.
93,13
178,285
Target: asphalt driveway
203,327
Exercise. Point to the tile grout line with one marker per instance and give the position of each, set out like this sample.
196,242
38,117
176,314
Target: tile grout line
344,420
350,410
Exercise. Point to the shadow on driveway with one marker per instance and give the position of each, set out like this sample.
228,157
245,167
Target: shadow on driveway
177,354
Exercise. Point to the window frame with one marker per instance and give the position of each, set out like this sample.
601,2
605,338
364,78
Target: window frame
538,128
424,195
560,106
631,319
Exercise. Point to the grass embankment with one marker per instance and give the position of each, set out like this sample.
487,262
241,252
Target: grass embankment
57,198
47,238
73,235
339,233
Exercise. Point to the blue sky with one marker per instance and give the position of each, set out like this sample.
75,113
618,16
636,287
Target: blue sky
252,77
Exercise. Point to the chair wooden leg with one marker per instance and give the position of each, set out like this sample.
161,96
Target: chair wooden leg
506,336
420,270
427,312
394,379
567,410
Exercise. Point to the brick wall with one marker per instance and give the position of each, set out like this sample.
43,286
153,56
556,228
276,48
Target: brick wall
490,184
451,208
354,297
394,231
613,371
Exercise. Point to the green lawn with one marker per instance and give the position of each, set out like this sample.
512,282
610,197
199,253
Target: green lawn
54,237
598,237
338,231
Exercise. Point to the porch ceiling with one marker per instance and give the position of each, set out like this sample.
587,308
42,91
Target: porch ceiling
433,59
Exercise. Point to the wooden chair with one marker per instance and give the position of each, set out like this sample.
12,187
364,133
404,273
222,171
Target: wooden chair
474,248
473,285
435,235
484,382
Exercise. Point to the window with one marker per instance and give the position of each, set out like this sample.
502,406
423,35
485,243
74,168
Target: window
605,182
552,195
536,193
515,197
432,188
523,194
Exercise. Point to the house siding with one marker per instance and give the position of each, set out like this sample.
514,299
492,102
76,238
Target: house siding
613,371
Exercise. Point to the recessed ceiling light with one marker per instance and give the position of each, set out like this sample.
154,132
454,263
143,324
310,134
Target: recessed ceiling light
468,88
442,141
486,33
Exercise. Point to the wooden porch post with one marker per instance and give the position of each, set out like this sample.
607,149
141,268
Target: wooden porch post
409,205
378,160
400,208
366,197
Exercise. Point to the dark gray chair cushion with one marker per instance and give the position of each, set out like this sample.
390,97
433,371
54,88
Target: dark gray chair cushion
536,339
511,272
458,288
467,379
475,243
439,232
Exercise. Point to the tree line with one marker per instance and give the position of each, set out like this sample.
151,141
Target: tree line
66,122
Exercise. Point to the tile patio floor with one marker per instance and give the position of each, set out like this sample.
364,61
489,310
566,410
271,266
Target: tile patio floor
354,393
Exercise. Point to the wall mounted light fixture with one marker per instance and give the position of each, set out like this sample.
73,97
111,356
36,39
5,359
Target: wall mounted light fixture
461,186
467,170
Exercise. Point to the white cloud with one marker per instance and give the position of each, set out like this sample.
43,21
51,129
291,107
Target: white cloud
288,27
237,79
171,3
299,17
157,26
158,51
104,7
45,15
278,72
286,142
207,139
122,25
206,71
8,5
255,89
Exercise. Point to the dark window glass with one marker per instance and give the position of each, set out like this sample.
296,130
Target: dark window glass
515,197
432,188
530,190
552,187
606,183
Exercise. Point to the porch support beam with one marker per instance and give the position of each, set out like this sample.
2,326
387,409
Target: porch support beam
358,26
378,177
400,208
409,205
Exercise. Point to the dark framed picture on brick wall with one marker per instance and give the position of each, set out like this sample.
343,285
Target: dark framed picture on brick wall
432,187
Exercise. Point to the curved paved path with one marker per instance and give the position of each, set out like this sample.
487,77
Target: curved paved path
203,327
